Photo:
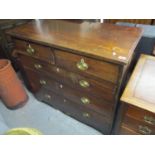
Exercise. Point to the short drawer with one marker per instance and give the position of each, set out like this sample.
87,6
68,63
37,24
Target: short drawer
141,115
35,50
99,88
38,81
138,126
79,112
87,66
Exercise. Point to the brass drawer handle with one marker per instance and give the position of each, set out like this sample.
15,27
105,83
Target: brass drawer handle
61,86
81,65
85,100
85,114
57,69
144,130
37,66
149,120
47,96
30,50
84,83
42,82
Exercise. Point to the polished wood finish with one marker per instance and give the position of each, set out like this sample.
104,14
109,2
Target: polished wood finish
74,110
137,126
77,68
39,81
63,59
136,21
138,99
126,131
141,114
96,40
68,77
35,50
104,70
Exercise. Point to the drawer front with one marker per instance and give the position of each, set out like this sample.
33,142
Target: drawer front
35,50
99,88
138,126
39,81
126,131
74,110
141,115
76,63
97,104
87,66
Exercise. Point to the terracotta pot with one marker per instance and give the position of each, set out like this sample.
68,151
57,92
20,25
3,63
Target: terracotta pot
12,92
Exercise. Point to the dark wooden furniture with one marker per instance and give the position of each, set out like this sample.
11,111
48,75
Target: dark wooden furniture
138,100
136,21
77,68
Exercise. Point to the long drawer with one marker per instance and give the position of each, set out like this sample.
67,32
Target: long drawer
95,88
76,63
39,81
77,111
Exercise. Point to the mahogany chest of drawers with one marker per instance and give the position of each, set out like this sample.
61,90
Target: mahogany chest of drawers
77,68
138,99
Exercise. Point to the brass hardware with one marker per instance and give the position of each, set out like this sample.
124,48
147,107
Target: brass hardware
84,83
42,82
149,120
47,96
86,115
58,70
37,66
61,86
30,50
85,100
81,65
144,130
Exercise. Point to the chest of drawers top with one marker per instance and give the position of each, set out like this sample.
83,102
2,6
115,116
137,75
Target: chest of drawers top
97,40
140,91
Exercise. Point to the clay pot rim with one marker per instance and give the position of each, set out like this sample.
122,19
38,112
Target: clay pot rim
8,62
